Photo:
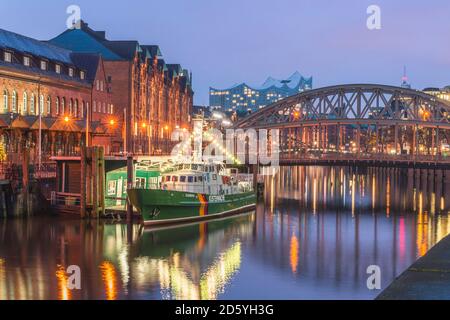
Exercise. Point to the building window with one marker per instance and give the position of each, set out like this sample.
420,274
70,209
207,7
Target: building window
26,61
7,56
70,106
95,106
5,101
14,101
57,105
82,75
25,103
70,72
41,104
58,68
49,106
104,107
32,103
63,105
97,83
43,65
101,85
75,111
82,110
112,108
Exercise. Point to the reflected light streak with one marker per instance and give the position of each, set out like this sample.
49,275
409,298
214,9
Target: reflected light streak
294,253
433,203
109,278
63,292
2,280
388,197
314,195
402,236
353,189
373,190
212,282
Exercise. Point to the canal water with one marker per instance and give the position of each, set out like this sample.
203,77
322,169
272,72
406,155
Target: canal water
312,236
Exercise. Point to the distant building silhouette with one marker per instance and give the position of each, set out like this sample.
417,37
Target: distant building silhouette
244,98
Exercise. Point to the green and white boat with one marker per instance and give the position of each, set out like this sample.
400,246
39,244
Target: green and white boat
191,192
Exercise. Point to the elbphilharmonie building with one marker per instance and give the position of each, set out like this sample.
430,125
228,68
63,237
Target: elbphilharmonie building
245,98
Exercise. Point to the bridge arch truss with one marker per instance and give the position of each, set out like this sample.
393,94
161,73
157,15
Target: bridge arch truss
358,119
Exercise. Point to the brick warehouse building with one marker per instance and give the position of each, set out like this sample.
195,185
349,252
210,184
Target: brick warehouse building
37,78
158,96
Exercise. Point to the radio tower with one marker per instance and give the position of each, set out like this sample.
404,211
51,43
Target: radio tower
405,83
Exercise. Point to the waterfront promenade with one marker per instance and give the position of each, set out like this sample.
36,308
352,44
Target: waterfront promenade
427,279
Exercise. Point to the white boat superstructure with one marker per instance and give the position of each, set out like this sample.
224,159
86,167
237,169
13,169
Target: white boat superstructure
211,179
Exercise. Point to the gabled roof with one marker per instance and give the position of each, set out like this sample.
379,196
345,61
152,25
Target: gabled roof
80,40
17,42
89,62
174,69
125,49
153,50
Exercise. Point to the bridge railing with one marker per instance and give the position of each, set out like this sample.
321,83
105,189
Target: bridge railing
364,157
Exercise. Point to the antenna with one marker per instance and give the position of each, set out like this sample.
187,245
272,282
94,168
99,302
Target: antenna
405,83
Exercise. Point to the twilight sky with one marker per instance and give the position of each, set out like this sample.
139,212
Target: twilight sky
230,41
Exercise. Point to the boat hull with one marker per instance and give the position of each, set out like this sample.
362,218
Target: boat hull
159,207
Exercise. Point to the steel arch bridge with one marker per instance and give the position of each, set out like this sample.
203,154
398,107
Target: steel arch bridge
358,121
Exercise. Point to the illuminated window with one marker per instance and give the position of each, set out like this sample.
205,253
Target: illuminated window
32,103
57,105
43,65
49,105
41,104
25,103
26,61
63,105
7,56
70,72
5,101
14,101
57,68
82,75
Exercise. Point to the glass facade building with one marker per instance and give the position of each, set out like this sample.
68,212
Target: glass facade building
245,98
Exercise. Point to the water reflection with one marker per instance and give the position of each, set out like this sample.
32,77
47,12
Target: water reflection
313,235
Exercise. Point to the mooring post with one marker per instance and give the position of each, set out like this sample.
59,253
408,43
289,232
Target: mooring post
129,186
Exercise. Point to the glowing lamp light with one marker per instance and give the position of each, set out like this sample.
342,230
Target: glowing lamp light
66,119
166,127
112,122
144,125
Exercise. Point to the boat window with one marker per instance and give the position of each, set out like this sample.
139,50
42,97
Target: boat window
140,182
194,167
200,179
111,187
167,179
214,176
182,178
175,179
190,179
